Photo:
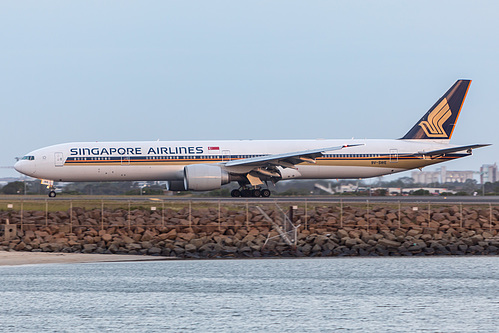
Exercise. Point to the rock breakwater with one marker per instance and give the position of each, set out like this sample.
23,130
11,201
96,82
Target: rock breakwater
227,233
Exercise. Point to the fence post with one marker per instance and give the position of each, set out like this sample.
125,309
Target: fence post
190,214
399,215
341,213
219,217
71,216
306,214
461,213
22,213
275,211
163,213
367,215
490,217
429,214
247,214
129,212
102,215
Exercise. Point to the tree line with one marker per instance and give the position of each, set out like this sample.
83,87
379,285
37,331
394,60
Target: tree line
291,188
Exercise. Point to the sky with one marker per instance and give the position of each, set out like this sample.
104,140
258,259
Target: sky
200,70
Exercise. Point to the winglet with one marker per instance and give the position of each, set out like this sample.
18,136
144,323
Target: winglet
439,122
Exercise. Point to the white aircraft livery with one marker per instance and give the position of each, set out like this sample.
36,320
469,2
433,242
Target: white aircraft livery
207,165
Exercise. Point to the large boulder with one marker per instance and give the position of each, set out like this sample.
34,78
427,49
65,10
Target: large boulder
388,243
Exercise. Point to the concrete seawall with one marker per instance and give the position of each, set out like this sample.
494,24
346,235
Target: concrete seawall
247,232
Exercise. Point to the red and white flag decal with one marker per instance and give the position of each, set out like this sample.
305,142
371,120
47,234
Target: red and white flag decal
213,148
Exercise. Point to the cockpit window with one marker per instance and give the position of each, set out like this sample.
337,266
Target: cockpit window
28,157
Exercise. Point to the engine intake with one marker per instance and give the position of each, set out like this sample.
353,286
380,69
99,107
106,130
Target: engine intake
204,177
175,185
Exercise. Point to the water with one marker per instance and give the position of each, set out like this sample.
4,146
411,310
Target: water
452,294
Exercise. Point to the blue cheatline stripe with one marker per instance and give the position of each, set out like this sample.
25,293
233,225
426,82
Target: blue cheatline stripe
218,158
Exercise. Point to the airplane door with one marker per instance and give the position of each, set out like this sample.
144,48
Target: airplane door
58,159
225,155
394,155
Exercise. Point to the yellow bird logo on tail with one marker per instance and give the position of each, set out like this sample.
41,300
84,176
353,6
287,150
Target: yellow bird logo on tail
433,126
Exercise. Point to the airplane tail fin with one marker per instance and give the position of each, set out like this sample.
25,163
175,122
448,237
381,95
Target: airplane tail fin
439,122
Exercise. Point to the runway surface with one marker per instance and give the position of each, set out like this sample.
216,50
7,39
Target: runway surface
314,199
437,199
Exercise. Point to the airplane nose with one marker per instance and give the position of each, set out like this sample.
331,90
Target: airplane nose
19,166
24,167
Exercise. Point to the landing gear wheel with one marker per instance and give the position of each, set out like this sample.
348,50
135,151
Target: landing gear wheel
265,193
235,193
52,194
256,193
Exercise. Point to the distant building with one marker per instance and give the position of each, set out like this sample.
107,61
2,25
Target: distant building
394,191
454,176
347,188
426,177
488,173
441,175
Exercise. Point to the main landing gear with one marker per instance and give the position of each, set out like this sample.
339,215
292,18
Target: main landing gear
246,192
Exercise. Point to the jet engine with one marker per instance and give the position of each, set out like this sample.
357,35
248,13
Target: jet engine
204,177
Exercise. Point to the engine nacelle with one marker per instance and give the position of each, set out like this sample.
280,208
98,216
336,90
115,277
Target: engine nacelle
175,185
204,177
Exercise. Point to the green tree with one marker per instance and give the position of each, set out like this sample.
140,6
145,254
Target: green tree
470,186
380,192
13,188
421,192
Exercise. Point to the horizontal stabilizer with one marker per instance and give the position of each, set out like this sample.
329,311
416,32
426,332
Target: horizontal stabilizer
453,150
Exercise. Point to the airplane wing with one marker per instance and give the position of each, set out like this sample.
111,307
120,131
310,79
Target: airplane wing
286,160
256,169
452,150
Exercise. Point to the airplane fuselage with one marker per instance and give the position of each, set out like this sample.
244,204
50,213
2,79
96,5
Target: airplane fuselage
165,160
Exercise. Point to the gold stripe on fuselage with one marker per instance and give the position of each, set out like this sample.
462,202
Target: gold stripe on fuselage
384,161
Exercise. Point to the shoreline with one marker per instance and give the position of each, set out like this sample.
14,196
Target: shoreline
22,258
18,258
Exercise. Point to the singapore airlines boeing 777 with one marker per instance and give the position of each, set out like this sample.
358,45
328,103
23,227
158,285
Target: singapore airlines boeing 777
207,165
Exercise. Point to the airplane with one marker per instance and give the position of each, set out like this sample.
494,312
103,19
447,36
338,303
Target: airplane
208,165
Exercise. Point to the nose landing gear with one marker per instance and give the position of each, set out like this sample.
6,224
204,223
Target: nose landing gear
50,186
247,192
51,189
